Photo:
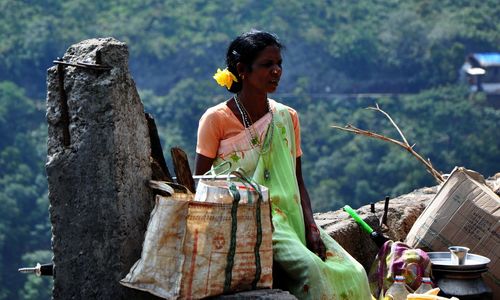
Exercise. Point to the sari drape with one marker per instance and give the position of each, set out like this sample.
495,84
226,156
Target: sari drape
340,276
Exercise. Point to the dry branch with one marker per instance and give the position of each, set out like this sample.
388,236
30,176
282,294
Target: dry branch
350,128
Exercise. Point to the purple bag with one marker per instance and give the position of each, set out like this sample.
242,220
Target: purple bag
397,258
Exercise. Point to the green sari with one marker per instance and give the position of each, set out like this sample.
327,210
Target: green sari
340,276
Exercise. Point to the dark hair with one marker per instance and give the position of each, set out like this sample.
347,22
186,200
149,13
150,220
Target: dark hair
245,49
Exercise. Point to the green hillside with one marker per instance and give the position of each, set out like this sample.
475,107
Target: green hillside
404,54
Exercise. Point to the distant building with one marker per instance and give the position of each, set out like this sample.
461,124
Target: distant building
481,71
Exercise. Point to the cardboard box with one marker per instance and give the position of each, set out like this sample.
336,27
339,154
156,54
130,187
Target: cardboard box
464,212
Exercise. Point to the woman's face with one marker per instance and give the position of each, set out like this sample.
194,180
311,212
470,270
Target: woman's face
266,70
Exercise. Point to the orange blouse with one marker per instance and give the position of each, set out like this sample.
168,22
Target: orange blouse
219,123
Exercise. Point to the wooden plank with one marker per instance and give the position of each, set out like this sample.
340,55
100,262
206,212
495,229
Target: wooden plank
181,168
158,164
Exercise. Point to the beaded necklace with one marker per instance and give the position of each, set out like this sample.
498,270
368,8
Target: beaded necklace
253,137
247,122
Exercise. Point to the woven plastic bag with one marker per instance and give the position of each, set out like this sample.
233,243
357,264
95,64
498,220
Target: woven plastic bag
198,249
217,191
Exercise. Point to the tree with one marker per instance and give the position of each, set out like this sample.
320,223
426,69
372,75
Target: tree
23,190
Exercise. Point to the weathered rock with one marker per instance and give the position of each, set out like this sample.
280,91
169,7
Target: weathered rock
99,201
403,212
265,294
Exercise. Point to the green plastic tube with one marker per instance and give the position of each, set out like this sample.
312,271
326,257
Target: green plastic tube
358,220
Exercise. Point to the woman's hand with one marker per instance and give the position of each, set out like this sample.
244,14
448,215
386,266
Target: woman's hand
314,242
313,236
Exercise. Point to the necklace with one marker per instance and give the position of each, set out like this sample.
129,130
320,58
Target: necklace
247,123
252,132
254,138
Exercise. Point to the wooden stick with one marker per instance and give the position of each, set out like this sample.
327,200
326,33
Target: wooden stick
404,144
377,108
383,220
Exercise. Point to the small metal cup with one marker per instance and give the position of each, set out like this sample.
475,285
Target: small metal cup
458,254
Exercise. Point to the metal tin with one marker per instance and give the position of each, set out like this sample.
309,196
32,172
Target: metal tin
442,261
462,281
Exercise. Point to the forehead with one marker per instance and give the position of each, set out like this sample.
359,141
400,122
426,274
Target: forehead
269,53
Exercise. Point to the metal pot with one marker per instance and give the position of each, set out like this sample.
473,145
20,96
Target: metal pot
461,281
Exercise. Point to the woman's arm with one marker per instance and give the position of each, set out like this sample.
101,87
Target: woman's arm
313,238
202,164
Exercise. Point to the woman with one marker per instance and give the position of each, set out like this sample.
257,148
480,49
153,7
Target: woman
262,137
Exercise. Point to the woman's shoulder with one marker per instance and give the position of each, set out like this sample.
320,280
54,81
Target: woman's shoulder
218,108
280,106
217,111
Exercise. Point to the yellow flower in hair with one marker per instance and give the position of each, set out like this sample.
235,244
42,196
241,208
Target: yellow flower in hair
225,78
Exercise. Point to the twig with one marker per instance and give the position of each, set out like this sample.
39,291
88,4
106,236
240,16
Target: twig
404,143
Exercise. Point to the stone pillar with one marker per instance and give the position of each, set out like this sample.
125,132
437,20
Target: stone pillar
98,167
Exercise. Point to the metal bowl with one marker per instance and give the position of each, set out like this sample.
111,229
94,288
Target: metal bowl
442,261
